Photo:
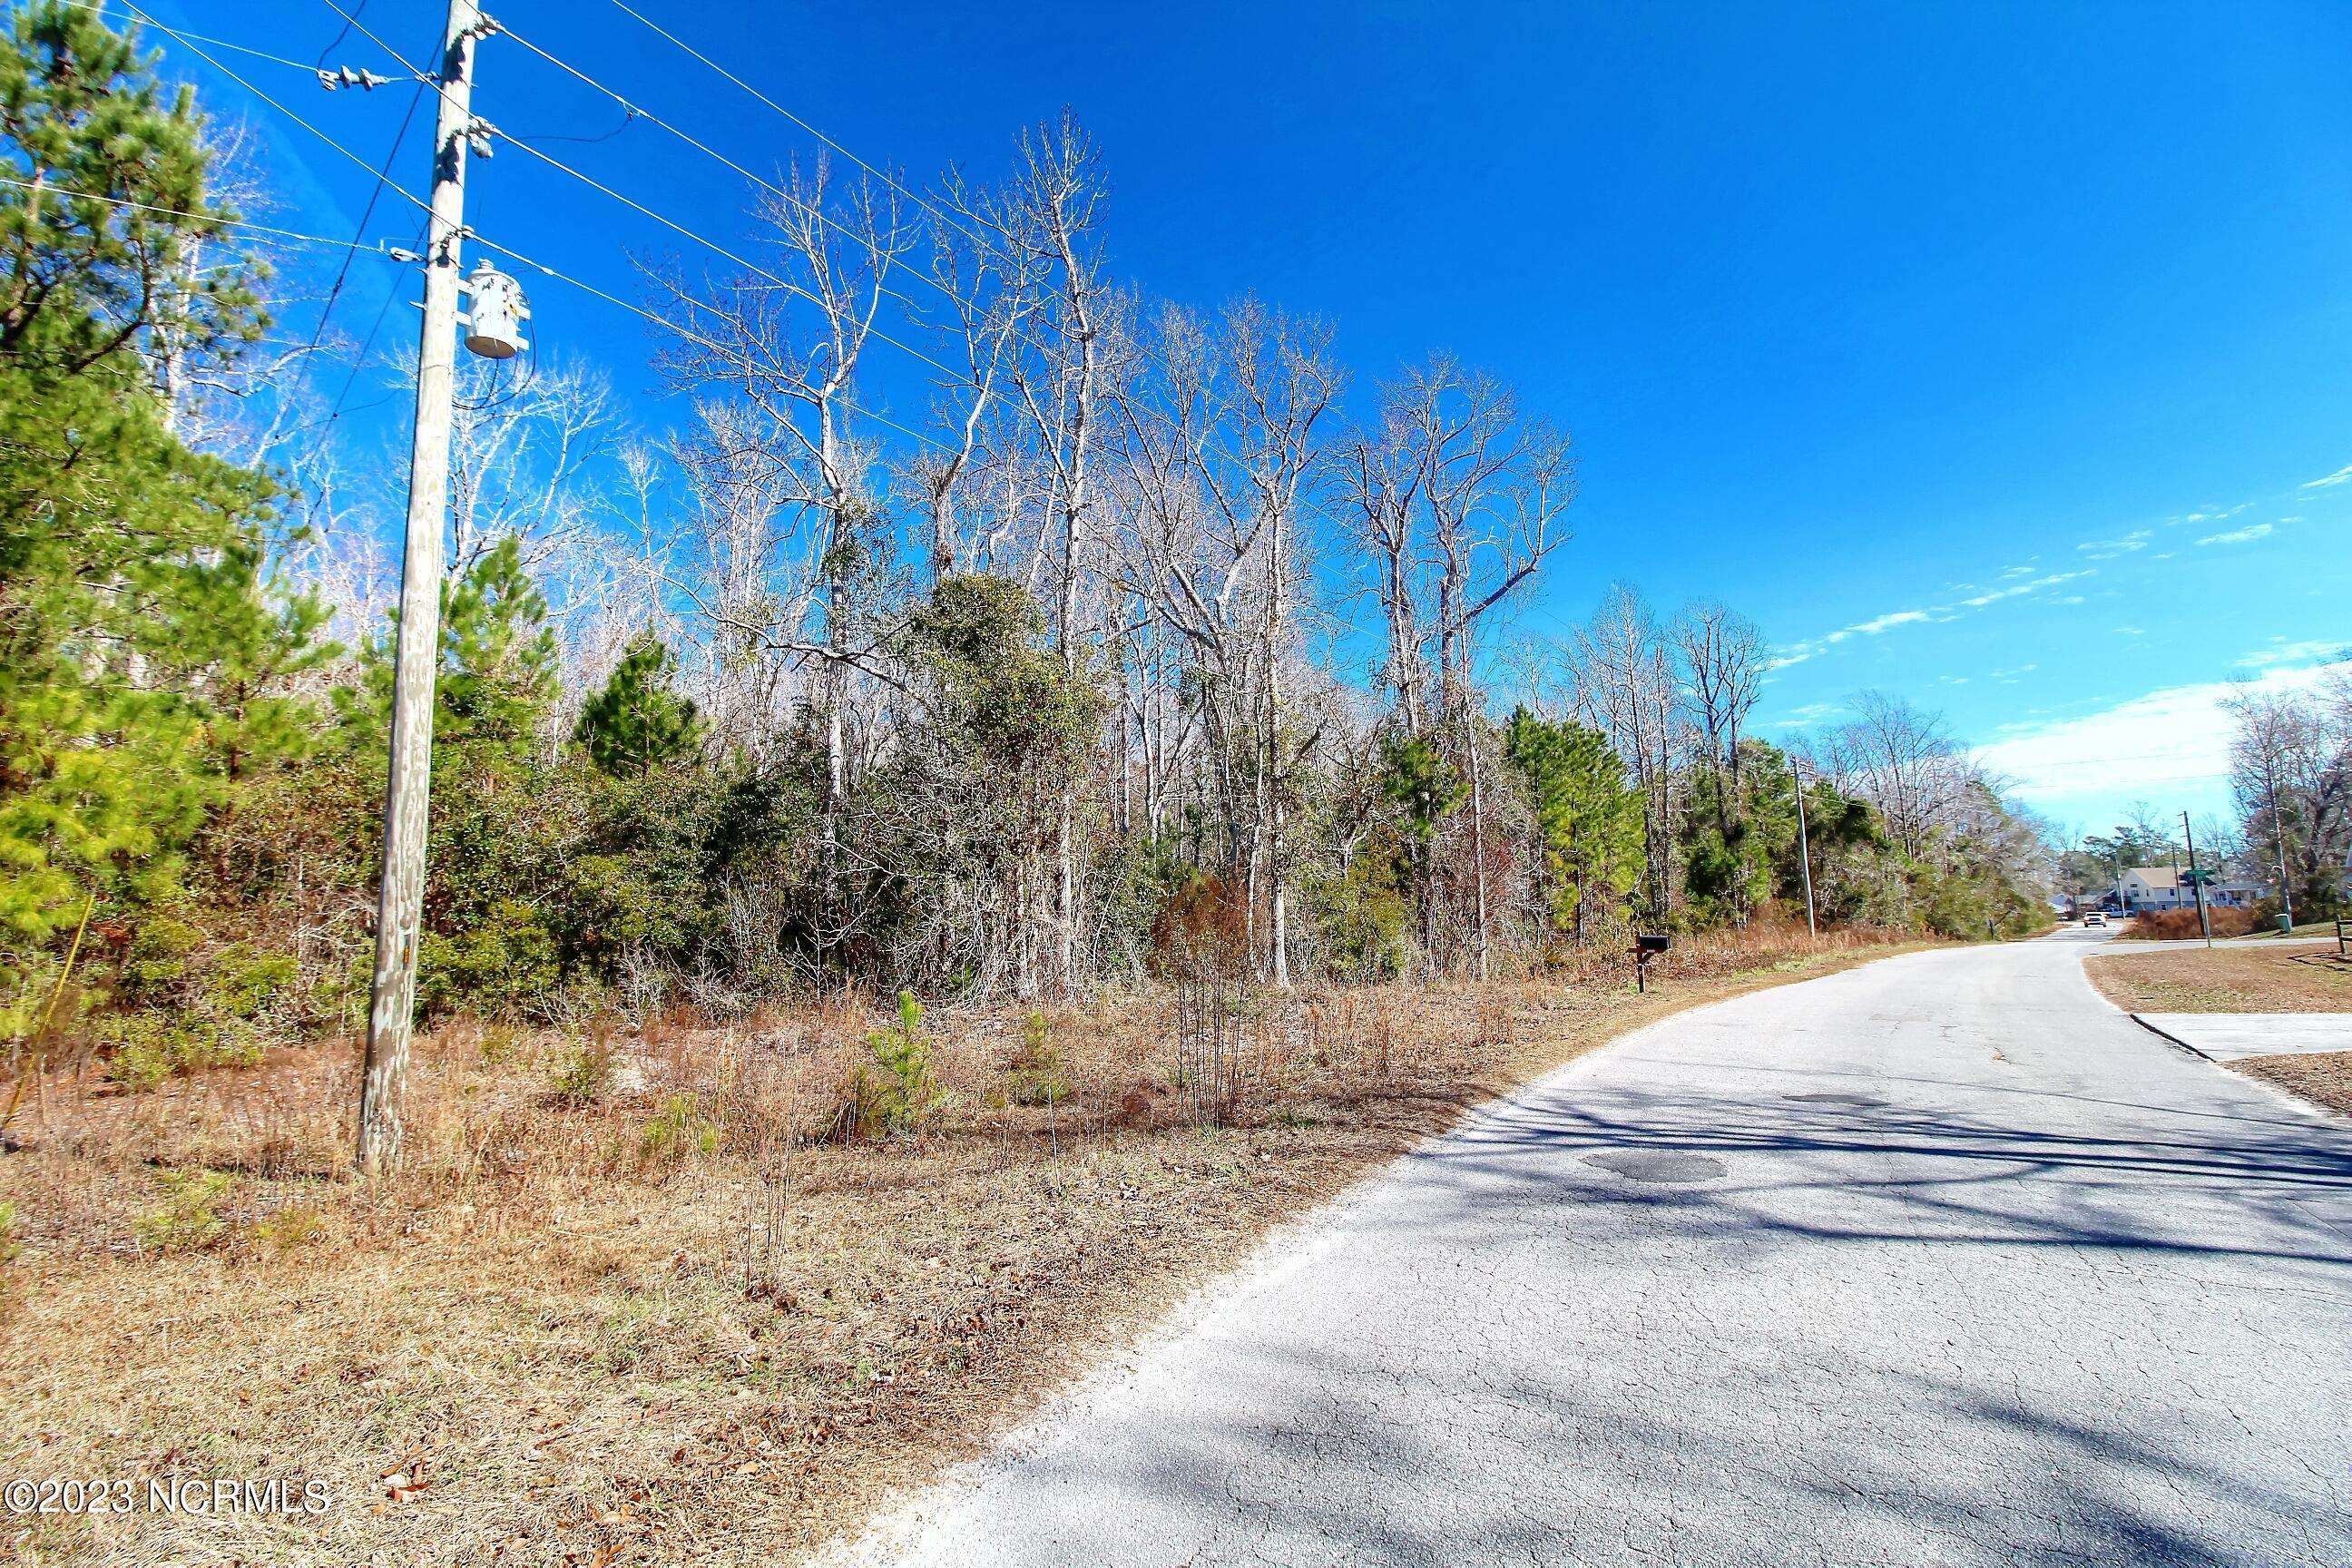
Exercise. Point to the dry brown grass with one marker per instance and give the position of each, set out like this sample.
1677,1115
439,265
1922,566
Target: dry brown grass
2324,1078
664,1321
2225,980
2180,925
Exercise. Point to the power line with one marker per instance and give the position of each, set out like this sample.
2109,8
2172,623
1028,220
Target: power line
665,221
680,43
784,283
289,234
241,81
102,13
383,178
637,112
925,203
348,22
666,325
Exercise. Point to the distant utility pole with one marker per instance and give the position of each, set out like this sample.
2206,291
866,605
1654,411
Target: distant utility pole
2197,880
392,1000
1804,849
2278,836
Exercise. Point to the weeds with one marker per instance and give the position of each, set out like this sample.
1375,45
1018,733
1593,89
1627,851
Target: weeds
2178,925
1037,1075
677,1130
583,1072
293,1228
189,1219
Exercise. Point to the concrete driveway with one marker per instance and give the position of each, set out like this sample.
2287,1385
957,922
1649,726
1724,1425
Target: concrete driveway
1942,1260
2232,1036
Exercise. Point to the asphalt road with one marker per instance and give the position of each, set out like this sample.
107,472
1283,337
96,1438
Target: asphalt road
1941,1261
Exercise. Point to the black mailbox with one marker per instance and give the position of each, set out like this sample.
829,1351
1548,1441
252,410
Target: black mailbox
1646,945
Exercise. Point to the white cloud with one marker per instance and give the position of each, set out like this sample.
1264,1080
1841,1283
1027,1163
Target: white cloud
2329,481
1877,623
1808,716
2312,650
2238,535
2213,514
2015,589
1798,652
2109,549
2169,745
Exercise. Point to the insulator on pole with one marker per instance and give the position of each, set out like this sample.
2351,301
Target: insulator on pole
342,77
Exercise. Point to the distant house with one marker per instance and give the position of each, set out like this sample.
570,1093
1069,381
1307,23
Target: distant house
2142,889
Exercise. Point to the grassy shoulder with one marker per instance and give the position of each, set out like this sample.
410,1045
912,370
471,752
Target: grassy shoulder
638,1301
2225,980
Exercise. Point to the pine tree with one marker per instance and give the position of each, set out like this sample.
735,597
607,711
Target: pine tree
497,679
130,586
1588,816
637,723
1426,789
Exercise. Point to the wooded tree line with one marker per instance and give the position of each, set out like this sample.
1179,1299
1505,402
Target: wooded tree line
1149,613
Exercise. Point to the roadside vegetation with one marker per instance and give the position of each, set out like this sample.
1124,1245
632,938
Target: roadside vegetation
892,909
734,714
2183,925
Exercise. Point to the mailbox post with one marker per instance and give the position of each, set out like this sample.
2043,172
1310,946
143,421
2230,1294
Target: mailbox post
1645,948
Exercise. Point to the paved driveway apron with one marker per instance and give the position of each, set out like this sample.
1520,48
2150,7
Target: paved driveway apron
1938,1261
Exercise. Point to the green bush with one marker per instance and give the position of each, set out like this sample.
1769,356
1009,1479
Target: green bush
145,1048
1360,913
505,964
189,1218
246,983
156,960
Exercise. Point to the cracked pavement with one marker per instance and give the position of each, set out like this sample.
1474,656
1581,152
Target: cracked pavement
1941,1261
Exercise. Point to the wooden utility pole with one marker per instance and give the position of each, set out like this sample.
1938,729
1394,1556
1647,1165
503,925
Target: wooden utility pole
2278,837
1804,849
392,1000
2197,880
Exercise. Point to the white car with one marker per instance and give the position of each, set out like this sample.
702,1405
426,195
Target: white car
2094,918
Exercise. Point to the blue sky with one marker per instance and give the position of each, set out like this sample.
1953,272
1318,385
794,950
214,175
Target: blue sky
1991,354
